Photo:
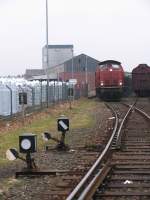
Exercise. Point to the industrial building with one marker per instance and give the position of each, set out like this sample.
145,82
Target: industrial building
81,67
30,73
62,66
57,54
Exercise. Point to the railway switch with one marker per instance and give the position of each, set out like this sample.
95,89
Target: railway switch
46,136
12,154
63,124
63,127
28,143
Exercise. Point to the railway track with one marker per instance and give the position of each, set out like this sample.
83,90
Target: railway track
121,172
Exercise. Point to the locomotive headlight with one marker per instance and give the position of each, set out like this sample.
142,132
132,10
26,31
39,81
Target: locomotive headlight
102,83
120,83
25,144
110,70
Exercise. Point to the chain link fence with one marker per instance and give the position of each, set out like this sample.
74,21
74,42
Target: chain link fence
40,95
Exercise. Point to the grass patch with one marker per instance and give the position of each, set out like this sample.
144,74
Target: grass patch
80,117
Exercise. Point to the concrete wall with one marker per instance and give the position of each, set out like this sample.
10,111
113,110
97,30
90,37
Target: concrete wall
57,54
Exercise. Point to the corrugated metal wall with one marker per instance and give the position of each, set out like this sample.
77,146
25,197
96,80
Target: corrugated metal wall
80,62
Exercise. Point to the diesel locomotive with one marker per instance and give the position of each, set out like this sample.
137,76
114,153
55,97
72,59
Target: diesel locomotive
109,79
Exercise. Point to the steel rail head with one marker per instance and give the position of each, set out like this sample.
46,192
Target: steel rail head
88,188
81,185
139,110
142,112
95,183
118,141
88,191
125,118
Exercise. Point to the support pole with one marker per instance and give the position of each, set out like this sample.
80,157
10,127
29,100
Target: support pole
30,162
23,107
72,70
41,92
47,59
61,145
86,81
47,93
54,92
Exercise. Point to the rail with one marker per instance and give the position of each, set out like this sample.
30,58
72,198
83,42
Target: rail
142,112
119,133
139,110
98,175
88,193
75,193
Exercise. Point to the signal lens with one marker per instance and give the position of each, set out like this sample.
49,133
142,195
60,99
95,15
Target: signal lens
26,144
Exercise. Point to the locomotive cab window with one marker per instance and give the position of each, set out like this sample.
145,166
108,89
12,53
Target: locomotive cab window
103,67
115,66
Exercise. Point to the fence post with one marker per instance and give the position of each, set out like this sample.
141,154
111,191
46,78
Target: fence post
54,92
47,93
41,92
23,107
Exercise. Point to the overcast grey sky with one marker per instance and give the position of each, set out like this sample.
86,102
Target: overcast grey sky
103,29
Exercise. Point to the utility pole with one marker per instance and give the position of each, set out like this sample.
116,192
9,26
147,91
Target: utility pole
47,31
58,83
47,60
86,81
72,71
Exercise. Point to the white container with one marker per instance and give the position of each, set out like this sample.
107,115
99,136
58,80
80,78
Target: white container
44,87
15,99
37,94
5,101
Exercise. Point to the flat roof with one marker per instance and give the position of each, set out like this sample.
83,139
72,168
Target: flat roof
60,46
43,78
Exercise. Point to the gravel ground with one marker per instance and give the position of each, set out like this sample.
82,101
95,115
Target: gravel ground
77,158
144,103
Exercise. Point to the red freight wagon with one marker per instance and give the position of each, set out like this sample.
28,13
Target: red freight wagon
141,80
109,79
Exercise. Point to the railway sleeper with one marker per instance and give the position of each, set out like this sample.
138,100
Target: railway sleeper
131,157
122,194
130,177
129,166
132,171
136,143
136,150
133,185
132,153
122,162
